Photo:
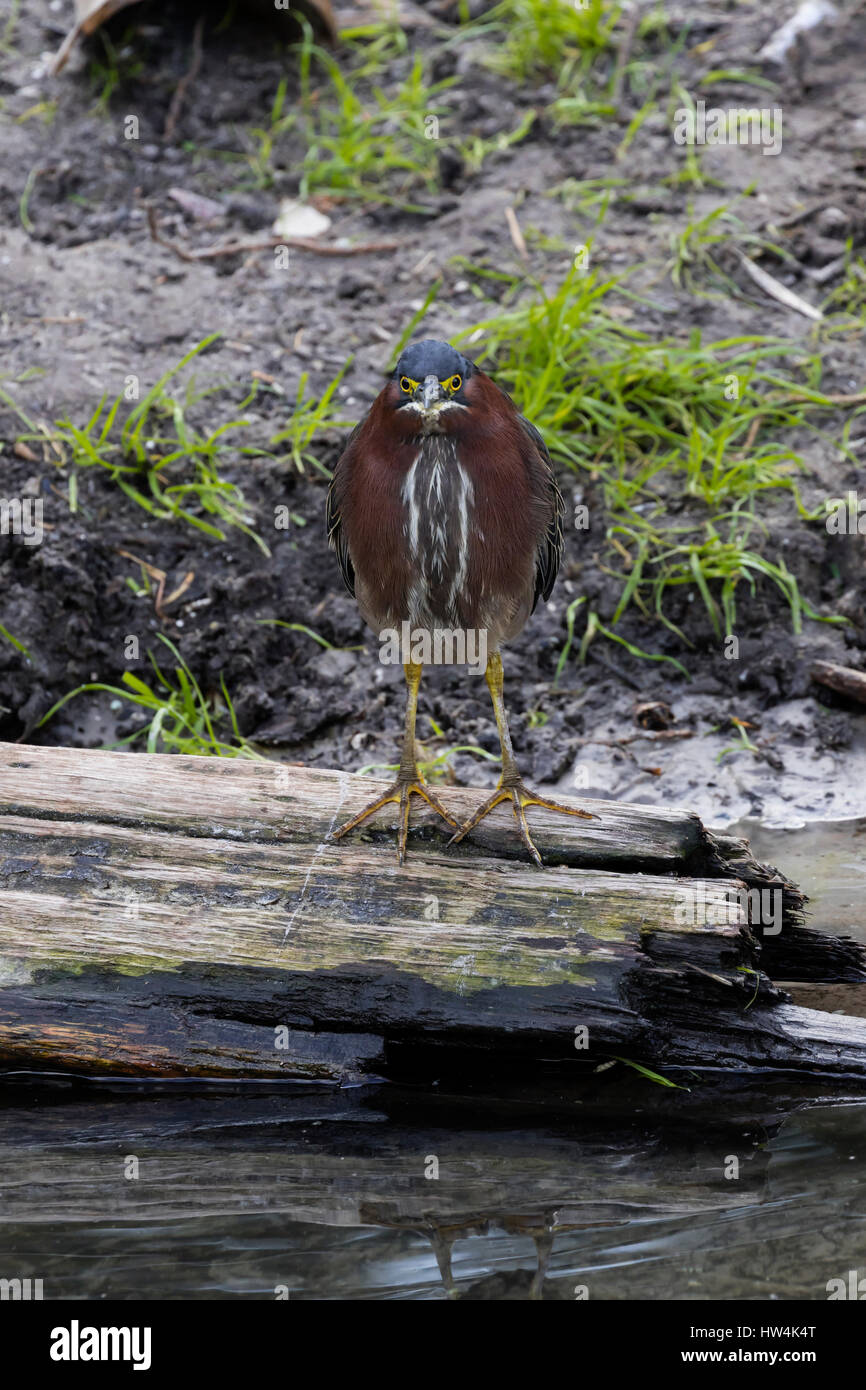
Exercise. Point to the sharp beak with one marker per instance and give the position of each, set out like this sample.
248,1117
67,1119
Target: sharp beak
431,391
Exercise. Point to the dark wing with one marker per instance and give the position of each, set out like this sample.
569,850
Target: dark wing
548,557
334,520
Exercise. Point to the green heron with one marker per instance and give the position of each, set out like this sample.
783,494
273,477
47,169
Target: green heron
445,515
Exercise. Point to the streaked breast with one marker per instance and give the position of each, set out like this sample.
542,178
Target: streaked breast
438,498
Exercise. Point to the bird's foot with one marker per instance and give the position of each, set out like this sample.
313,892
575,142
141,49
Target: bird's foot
520,796
407,783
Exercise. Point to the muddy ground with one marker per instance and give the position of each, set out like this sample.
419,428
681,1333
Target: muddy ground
88,297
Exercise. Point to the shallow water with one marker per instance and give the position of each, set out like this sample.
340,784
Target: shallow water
828,860
621,1208
620,1189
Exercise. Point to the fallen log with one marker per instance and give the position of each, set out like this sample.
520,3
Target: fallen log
176,916
845,679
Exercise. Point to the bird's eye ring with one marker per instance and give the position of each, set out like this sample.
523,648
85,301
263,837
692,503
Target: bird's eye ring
453,383
406,384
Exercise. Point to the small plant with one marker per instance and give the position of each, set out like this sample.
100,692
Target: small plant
650,1075
266,138
182,718
701,250
545,38
117,65
435,767
362,141
155,456
849,297
475,151
308,632
308,418
743,745
7,34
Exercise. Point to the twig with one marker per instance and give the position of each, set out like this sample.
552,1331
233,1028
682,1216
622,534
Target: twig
516,234
185,82
795,218
175,594
826,272
753,430
61,57
778,291
238,248
845,679
656,736
623,56
795,398
157,236
154,573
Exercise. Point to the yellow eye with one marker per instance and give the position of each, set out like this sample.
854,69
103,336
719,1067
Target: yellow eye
453,383
407,384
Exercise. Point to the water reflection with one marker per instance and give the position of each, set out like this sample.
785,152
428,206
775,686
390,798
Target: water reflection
628,1192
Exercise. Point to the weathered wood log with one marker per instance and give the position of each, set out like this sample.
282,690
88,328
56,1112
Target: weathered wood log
175,916
845,679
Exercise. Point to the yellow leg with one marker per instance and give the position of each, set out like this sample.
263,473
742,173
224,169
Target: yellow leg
511,787
408,777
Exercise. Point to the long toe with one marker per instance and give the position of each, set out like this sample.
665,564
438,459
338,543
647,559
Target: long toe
432,800
529,798
403,831
520,817
399,794
495,800
520,797
370,810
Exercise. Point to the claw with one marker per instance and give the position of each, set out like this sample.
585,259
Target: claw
520,797
399,793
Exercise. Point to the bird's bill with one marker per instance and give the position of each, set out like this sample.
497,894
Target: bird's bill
429,392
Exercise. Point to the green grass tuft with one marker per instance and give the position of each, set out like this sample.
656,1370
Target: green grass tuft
308,419
182,718
539,39
652,423
155,457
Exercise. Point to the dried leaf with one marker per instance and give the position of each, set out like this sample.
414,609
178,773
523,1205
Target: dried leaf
299,219
181,589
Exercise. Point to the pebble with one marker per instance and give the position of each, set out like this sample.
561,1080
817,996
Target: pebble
334,665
